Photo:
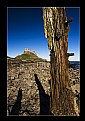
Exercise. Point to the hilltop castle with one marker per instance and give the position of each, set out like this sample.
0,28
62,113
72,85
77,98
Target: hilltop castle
27,51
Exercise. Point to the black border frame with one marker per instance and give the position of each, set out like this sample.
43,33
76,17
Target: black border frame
3,49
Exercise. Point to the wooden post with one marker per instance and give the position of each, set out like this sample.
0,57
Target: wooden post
57,35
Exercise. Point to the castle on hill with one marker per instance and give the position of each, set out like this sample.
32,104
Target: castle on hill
27,51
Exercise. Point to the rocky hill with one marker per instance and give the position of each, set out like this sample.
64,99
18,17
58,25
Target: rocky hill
8,57
31,57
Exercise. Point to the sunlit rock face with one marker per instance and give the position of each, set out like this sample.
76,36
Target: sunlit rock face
56,31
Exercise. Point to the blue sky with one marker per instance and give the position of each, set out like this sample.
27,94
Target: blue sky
25,30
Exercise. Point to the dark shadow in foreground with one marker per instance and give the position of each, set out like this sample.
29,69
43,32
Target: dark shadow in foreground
17,106
44,99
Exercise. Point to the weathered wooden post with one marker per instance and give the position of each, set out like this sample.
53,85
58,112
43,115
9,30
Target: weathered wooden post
56,31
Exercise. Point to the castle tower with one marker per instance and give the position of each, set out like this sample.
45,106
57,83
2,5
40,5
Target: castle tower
26,51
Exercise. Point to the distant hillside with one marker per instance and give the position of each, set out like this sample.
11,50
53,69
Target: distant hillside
28,56
8,57
31,57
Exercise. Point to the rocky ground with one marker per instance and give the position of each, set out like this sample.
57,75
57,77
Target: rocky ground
74,76
34,96
23,75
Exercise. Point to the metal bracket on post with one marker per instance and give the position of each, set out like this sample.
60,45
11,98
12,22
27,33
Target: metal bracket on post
68,21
